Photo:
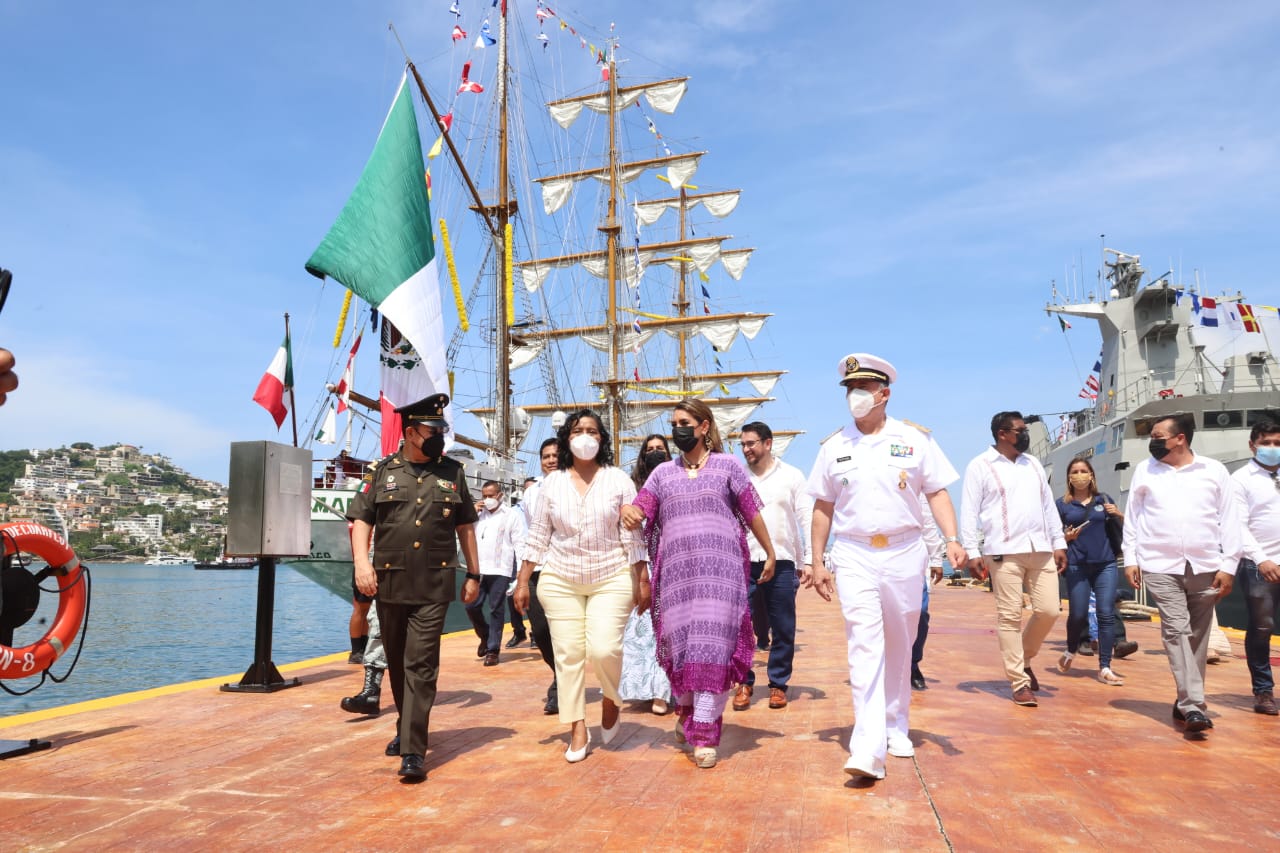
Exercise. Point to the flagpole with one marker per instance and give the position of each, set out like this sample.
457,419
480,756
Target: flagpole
293,408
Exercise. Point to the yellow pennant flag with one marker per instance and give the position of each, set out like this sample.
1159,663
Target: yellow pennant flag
435,149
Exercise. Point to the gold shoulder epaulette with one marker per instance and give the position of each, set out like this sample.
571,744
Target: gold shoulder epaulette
923,429
831,436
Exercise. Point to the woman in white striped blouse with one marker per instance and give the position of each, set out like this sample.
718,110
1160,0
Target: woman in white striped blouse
593,572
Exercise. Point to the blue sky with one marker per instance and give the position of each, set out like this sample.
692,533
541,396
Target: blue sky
914,175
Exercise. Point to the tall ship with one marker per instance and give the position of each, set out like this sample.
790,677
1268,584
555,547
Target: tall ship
584,265
1166,348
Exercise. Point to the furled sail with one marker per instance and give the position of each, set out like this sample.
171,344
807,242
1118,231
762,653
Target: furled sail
719,204
555,188
664,96
702,251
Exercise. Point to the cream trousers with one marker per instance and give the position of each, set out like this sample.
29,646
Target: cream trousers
587,622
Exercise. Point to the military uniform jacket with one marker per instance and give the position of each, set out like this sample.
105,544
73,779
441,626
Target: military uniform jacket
875,481
414,516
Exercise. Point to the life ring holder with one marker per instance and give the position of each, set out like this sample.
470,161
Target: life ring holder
73,604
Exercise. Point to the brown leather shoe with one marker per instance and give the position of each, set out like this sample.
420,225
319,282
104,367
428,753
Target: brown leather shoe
491,659
1023,696
1265,703
742,697
777,698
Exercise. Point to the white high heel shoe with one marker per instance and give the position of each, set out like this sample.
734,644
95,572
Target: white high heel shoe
607,735
573,756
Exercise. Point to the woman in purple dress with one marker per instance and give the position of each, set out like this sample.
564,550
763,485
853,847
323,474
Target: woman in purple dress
698,508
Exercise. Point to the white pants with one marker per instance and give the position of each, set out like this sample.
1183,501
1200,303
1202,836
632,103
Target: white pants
586,622
880,593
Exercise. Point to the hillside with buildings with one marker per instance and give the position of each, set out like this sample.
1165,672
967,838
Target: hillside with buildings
114,502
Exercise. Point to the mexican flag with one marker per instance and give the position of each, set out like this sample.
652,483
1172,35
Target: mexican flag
382,250
279,377
328,432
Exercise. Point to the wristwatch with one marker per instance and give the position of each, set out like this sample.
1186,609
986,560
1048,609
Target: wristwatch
951,539
472,576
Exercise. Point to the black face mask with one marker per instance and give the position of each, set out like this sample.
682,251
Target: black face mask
654,458
1158,447
433,447
684,438
1022,442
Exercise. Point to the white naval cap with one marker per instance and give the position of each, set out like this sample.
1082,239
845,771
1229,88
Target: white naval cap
864,365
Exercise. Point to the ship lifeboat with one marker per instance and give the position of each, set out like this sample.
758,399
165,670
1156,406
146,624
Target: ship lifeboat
73,598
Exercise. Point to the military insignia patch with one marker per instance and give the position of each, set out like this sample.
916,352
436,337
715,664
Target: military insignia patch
844,458
447,485
901,450
365,485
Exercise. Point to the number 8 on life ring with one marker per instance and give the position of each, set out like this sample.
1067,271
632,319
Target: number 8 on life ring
72,598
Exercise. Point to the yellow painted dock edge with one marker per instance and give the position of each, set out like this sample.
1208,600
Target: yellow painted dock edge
167,690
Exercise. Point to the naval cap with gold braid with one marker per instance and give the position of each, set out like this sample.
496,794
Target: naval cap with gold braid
864,365
428,411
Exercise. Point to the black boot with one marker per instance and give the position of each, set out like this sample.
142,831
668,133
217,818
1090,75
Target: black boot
357,649
366,701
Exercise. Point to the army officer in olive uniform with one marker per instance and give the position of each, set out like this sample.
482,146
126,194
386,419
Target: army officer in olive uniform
412,503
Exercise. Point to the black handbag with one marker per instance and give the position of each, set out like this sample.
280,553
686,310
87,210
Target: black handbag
1115,529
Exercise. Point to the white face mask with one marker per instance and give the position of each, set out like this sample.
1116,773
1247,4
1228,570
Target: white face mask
860,402
491,504
584,446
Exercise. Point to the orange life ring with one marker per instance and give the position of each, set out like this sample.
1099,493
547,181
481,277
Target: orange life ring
72,598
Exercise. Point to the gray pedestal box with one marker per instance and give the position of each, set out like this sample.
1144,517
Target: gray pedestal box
269,500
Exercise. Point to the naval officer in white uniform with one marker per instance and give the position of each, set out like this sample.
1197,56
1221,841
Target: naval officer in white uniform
866,485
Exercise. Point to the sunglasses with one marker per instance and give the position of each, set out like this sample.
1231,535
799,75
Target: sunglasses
6,279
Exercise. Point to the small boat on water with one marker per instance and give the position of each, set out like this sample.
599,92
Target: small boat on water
170,560
1166,348
227,563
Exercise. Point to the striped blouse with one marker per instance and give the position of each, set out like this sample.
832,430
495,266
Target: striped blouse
580,537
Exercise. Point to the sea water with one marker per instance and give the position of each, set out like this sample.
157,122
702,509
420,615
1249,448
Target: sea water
150,626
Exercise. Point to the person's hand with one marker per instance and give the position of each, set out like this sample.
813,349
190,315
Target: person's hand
1222,582
803,573
1270,571
366,579
1134,575
520,598
766,573
470,591
1070,534
8,379
978,568
957,556
1060,559
821,580
641,592
632,517
1112,509
935,574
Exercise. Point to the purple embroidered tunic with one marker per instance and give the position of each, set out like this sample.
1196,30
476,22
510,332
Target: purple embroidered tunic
697,535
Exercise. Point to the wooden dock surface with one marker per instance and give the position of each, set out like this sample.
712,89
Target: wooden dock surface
1094,767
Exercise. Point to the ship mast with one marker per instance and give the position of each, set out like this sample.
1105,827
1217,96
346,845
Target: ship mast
611,229
682,298
502,333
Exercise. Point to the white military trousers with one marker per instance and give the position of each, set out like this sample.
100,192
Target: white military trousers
880,593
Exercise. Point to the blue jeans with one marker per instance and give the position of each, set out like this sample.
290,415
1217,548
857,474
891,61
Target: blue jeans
777,599
488,612
922,631
1100,579
1262,598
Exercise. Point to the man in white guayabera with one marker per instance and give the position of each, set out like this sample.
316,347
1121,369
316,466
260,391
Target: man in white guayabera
1182,539
1010,526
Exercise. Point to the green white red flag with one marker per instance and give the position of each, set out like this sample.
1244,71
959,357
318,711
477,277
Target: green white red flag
381,248
278,378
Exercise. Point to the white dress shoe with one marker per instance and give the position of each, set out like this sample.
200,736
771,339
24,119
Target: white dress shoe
901,747
858,769
573,756
607,735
